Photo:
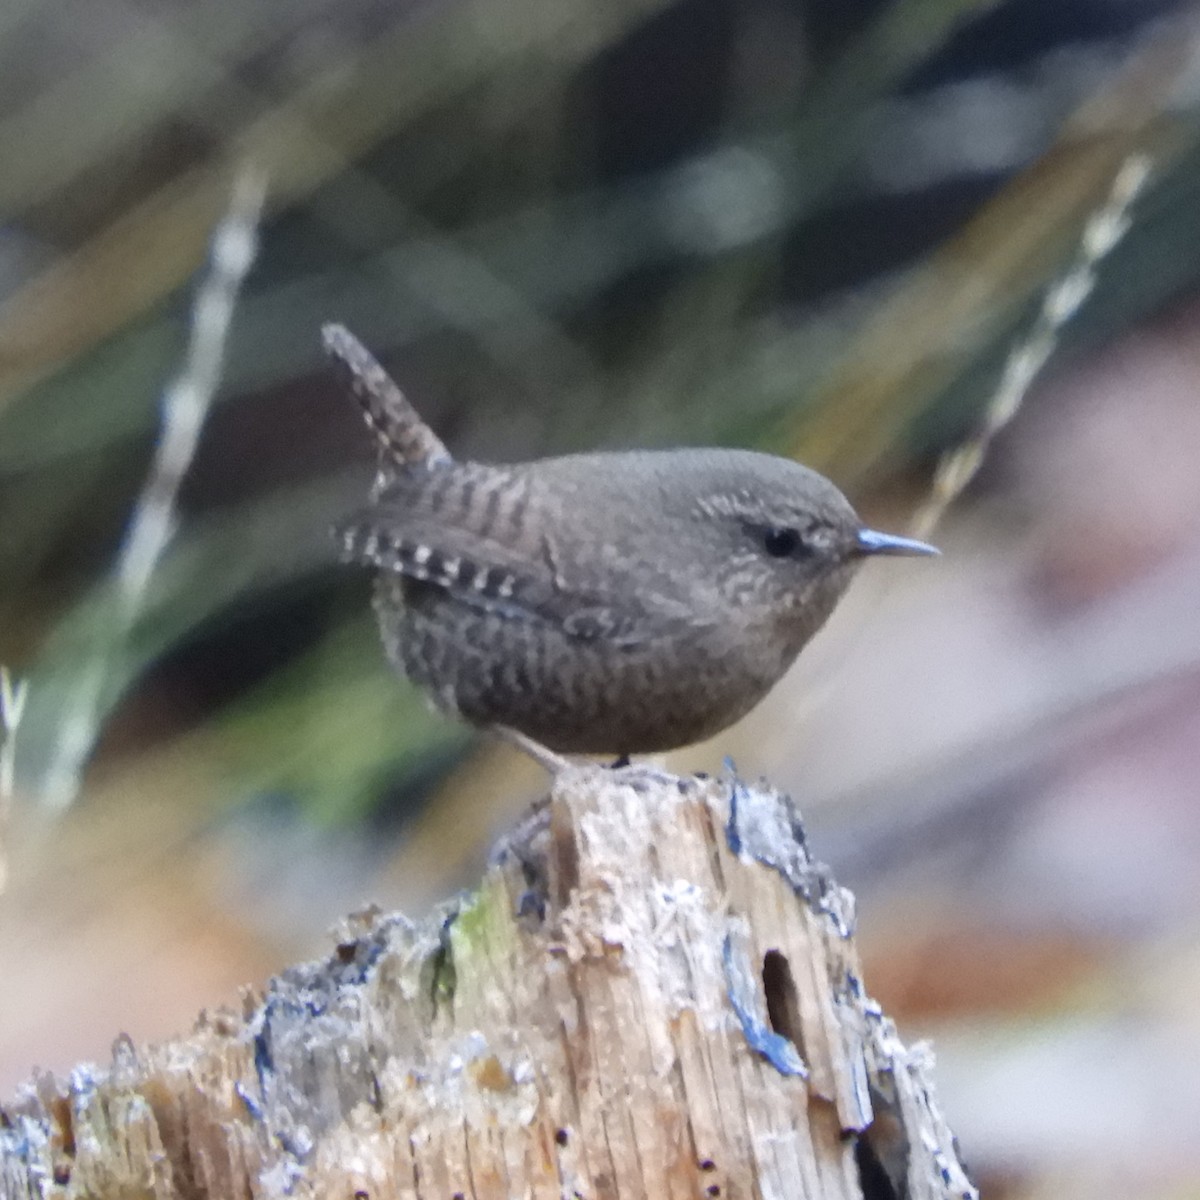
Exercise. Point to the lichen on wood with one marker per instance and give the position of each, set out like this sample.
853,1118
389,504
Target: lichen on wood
653,992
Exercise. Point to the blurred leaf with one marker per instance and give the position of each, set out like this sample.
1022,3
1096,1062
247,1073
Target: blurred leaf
332,727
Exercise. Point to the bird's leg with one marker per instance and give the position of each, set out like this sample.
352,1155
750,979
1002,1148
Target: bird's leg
622,771
555,764
628,771
640,774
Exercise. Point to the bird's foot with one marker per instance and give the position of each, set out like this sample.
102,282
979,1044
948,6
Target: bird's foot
641,775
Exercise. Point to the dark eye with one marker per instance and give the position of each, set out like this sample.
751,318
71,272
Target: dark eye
781,543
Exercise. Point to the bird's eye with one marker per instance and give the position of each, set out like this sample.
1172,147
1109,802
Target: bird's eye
781,542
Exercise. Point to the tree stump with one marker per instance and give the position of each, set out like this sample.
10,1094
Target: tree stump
654,992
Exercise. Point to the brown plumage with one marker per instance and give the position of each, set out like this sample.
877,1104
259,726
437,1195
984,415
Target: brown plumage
616,602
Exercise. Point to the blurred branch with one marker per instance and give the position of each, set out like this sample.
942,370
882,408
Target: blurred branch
209,567
184,407
1104,229
12,706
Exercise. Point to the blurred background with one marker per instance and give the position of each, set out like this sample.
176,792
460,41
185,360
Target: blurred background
811,226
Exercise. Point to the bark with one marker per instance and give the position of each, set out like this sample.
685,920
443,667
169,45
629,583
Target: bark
653,992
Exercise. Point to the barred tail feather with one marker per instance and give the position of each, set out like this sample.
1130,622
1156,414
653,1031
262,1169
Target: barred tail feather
404,439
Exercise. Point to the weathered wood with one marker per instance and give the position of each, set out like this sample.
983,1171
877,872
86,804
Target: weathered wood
654,992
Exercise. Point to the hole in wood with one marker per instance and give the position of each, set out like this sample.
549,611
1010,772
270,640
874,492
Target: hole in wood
873,1178
783,1005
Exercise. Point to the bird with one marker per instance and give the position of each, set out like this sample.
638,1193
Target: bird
613,602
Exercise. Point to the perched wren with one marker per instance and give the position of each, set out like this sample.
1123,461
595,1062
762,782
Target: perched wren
615,602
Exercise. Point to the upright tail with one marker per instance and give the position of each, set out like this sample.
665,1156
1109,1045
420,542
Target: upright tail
404,439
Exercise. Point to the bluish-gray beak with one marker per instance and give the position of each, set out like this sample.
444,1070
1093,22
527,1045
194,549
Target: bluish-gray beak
871,541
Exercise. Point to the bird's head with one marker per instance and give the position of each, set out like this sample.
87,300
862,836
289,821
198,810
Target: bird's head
789,541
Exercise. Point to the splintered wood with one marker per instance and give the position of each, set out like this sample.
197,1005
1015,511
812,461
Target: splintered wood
653,993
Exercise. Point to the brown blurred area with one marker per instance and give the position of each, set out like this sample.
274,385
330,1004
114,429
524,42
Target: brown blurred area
811,226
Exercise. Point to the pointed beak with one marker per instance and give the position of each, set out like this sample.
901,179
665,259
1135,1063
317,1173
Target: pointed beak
870,541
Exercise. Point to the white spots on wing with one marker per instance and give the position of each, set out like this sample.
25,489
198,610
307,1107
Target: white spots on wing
419,562
416,560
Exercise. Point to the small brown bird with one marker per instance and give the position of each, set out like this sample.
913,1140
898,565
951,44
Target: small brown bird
615,602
